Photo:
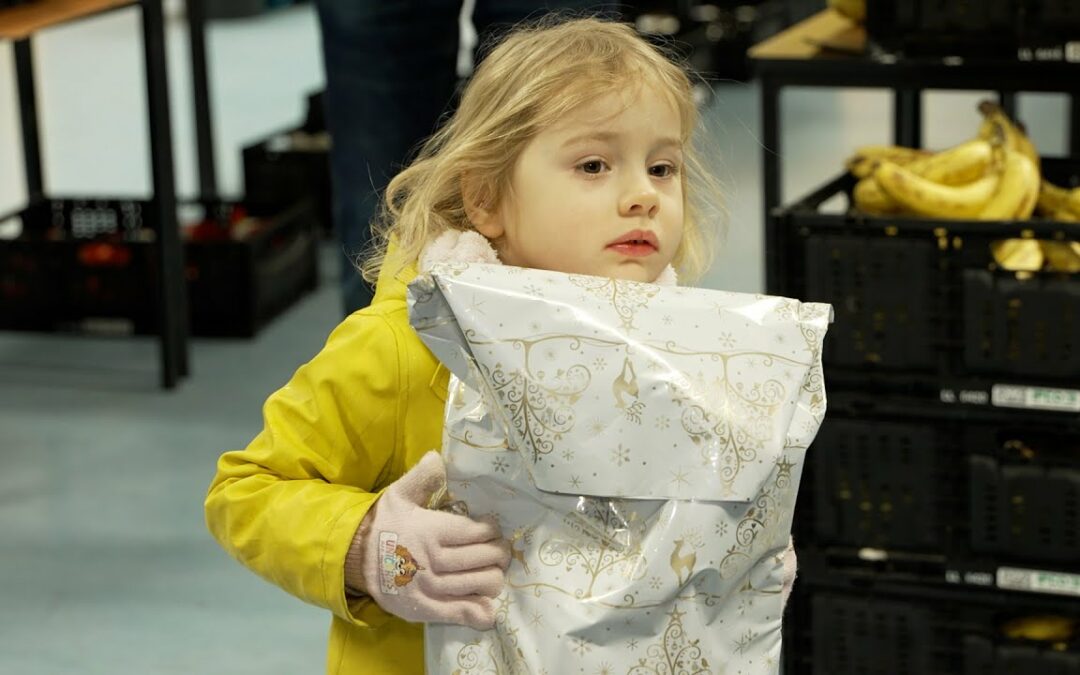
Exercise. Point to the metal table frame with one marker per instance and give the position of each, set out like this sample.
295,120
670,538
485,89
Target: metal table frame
172,294
907,79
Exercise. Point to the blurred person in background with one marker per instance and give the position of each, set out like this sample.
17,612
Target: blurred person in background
391,72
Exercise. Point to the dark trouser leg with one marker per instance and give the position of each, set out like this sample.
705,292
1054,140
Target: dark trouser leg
390,71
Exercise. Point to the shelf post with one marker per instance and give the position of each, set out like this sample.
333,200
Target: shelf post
907,117
771,181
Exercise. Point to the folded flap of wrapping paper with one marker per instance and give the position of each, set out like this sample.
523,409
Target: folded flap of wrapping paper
620,389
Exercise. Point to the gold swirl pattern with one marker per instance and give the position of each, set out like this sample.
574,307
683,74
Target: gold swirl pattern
674,654
626,297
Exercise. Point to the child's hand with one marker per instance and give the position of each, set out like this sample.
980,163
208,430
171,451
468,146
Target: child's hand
424,565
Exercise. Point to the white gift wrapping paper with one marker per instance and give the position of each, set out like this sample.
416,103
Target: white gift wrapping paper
641,447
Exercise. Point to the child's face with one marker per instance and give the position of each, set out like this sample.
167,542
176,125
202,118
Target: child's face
599,193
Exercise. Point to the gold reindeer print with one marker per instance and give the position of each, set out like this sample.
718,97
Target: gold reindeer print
681,563
518,554
625,385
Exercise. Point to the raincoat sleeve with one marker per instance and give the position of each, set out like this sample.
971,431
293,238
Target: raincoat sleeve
287,506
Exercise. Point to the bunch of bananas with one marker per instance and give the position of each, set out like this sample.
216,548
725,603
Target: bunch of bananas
994,176
853,9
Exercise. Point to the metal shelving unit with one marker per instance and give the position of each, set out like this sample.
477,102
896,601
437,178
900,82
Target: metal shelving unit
938,510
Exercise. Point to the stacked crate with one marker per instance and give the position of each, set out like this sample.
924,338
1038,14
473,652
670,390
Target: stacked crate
938,526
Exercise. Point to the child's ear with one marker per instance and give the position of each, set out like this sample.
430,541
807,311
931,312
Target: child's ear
480,210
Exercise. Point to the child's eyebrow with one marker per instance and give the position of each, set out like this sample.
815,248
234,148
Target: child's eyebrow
667,141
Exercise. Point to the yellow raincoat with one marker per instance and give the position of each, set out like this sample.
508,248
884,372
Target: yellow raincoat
348,423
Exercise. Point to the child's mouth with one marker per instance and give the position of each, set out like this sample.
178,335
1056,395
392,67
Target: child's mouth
634,249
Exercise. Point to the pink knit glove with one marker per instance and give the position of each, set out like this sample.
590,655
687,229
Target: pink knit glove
791,564
424,565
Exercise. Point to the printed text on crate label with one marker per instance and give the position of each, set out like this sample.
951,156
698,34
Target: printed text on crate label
1038,581
1042,398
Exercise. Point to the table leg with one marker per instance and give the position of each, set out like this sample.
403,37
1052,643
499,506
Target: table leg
31,138
173,318
204,131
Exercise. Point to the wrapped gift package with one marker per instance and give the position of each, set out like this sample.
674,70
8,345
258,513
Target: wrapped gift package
641,447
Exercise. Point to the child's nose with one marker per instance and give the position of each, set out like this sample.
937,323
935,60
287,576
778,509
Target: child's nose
640,200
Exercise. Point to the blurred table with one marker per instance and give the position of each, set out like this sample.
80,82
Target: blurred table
19,24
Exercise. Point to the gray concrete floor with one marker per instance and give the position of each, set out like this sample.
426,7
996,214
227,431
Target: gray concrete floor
105,563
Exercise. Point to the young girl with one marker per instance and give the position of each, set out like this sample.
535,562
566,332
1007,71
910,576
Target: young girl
570,151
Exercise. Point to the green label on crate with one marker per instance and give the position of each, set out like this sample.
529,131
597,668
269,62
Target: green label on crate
1040,398
1038,581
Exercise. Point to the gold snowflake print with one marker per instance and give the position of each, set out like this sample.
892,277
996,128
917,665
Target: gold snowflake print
581,646
679,477
620,455
663,422
743,643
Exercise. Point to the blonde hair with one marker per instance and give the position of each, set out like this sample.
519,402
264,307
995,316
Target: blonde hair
533,78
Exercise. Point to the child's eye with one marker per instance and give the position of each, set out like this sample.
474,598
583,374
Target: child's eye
663,170
593,166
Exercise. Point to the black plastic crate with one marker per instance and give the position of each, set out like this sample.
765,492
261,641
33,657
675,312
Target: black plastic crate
875,629
90,265
901,488
235,287
286,168
1046,30
921,304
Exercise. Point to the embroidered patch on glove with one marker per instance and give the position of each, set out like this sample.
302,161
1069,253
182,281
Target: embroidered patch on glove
398,565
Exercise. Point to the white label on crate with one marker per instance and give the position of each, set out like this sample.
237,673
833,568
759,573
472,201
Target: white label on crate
1072,52
1041,398
1038,581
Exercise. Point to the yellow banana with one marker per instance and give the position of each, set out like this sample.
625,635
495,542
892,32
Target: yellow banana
927,198
1027,148
1063,216
957,165
996,125
1058,201
1045,628
1018,255
1017,192
870,198
866,157
853,9
1061,256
